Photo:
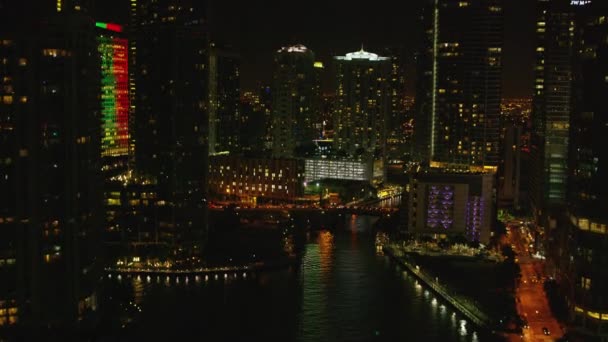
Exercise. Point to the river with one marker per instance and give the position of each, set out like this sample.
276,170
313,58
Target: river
344,290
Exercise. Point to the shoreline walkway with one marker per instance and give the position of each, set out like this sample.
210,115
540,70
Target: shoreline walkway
475,316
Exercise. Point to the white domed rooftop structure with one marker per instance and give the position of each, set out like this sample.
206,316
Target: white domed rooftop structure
361,55
294,48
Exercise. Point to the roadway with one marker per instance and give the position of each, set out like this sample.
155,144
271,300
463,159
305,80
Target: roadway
531,300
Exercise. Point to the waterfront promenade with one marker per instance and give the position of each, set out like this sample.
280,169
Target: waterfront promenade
467,309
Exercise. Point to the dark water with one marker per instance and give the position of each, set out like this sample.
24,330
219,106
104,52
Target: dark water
344,290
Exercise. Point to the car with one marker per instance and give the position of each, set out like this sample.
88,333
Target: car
546,331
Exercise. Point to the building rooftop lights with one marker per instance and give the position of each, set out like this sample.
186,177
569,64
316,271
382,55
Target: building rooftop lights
294,48
361,55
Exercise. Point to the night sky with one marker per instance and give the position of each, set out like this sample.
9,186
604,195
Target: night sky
332,27
258,28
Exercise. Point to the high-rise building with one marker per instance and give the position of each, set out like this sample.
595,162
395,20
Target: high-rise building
317,100
265,100
169,73
50,164
293,102
253,125
362,105
584,269
114,64
459,87
224,100
396,116
396,139
551,109
510,168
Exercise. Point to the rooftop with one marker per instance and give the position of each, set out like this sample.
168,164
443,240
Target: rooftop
361,55
294,48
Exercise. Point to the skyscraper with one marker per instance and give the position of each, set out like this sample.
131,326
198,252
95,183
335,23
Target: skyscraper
396,139
459,89
397,81
585,268
50,210
253,125
168,46
363,102
224,100
293,101
551,109
115,108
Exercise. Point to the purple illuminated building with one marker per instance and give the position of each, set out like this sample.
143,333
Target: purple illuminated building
451,203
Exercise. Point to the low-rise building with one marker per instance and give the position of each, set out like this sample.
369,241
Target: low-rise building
342,169
251,179
446,203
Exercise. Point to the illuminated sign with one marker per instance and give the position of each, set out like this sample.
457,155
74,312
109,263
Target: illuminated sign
579,2
109,26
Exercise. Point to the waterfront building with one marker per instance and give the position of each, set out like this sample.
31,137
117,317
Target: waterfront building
294,101
169,69
341,169
362,105
255,179
50,168
443,203
459,84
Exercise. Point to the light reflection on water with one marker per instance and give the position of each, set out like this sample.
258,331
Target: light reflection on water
342,291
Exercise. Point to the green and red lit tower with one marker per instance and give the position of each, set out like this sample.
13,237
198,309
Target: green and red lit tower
114,64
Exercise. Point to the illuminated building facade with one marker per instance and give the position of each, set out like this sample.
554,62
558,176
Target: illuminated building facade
551,108
343,169
254,179
446,203
585,267
169,69
114,61
224,99
293,101
459,88
362,104
50,162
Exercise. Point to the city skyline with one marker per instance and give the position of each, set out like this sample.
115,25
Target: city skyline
338,27
338,171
